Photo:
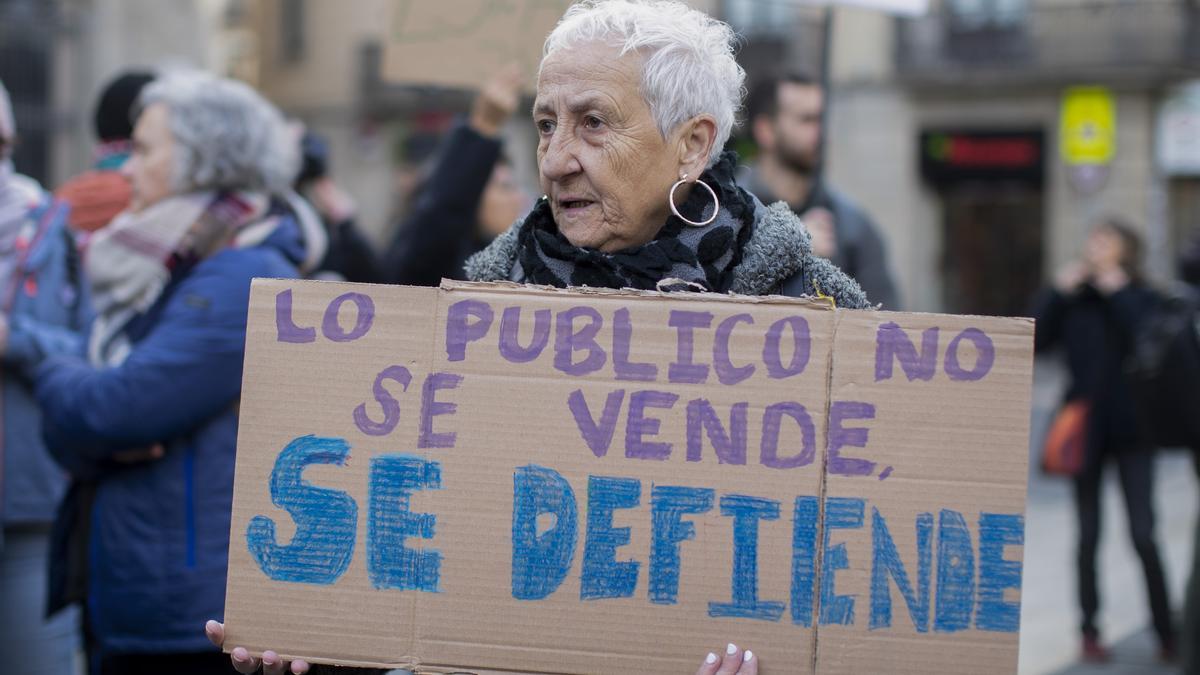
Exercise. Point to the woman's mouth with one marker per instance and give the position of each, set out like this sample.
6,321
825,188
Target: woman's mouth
574,205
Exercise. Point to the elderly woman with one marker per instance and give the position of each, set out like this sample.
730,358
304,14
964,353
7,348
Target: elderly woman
635,101
146,424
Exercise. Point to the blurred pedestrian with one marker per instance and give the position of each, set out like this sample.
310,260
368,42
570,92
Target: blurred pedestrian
99,194
1189,274
1093,312
43,313
350,256
471,196
784,115
149,419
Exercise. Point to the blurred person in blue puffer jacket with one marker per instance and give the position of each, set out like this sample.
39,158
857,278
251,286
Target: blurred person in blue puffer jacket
146,420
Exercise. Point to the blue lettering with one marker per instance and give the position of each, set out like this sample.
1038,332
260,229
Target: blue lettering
325,519
886,560
667,506
840,514
541,562
746,512
956,574
603,576
996,574
390,564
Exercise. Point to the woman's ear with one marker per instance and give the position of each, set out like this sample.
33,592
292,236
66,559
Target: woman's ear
696,139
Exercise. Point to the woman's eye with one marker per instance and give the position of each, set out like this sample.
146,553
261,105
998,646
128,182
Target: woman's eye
592,122
545,126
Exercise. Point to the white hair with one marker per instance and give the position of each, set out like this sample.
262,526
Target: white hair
227,136
689,68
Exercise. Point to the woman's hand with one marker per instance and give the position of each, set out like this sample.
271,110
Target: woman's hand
270,662
1070,278
735,662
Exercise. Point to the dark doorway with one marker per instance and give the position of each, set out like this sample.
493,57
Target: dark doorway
992,248
26,39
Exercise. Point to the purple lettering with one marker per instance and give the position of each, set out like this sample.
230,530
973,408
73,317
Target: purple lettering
772,419
510,344
285,329
891,341
638,426
730,447
390,406
460,330
985,356
567,341
362,322
597,435
622,336
801,347
684,370
727,373
841,437
431,407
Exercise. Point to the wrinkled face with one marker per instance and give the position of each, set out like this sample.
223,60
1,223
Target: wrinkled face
1104,248
152,161
602,162
797,126
502,202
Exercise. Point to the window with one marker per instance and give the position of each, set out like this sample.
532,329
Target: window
761,16
975,15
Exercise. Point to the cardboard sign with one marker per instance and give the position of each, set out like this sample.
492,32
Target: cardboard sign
517,479
461,43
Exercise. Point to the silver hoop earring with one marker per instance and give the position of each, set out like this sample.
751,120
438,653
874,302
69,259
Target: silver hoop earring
675,210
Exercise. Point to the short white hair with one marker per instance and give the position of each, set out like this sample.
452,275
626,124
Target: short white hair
227,136
689,66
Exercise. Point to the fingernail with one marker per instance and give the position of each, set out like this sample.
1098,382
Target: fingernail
210,626
269,658
731,649
239,655
748,655
711,658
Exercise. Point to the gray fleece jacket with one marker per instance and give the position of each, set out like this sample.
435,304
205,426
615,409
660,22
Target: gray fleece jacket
777,260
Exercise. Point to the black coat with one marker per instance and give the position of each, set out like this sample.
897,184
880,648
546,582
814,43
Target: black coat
1096,335
442,230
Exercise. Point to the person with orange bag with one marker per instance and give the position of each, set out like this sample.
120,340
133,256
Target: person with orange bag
1092,313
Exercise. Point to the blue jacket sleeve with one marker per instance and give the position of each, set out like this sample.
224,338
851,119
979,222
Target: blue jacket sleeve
183,372
426,246
31,341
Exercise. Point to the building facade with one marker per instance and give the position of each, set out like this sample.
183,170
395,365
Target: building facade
951,129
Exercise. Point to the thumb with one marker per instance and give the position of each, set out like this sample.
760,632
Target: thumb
215,630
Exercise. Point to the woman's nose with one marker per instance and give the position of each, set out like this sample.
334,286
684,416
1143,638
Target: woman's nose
559,160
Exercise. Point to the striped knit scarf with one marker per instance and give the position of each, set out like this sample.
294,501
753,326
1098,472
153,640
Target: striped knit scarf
131,261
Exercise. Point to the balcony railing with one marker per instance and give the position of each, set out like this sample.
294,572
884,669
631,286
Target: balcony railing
1108,39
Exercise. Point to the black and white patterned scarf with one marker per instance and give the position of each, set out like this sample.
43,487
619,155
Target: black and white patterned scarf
703,256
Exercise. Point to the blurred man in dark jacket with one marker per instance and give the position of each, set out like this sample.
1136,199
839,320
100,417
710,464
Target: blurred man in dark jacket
785,118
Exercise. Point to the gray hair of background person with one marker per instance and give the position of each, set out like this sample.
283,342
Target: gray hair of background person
689,68
8,124
227,135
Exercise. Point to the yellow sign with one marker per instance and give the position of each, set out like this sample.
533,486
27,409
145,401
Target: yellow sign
1088,130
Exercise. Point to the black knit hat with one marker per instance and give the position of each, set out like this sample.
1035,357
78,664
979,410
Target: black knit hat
114,112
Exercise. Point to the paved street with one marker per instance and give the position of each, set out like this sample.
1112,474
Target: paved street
1049,616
